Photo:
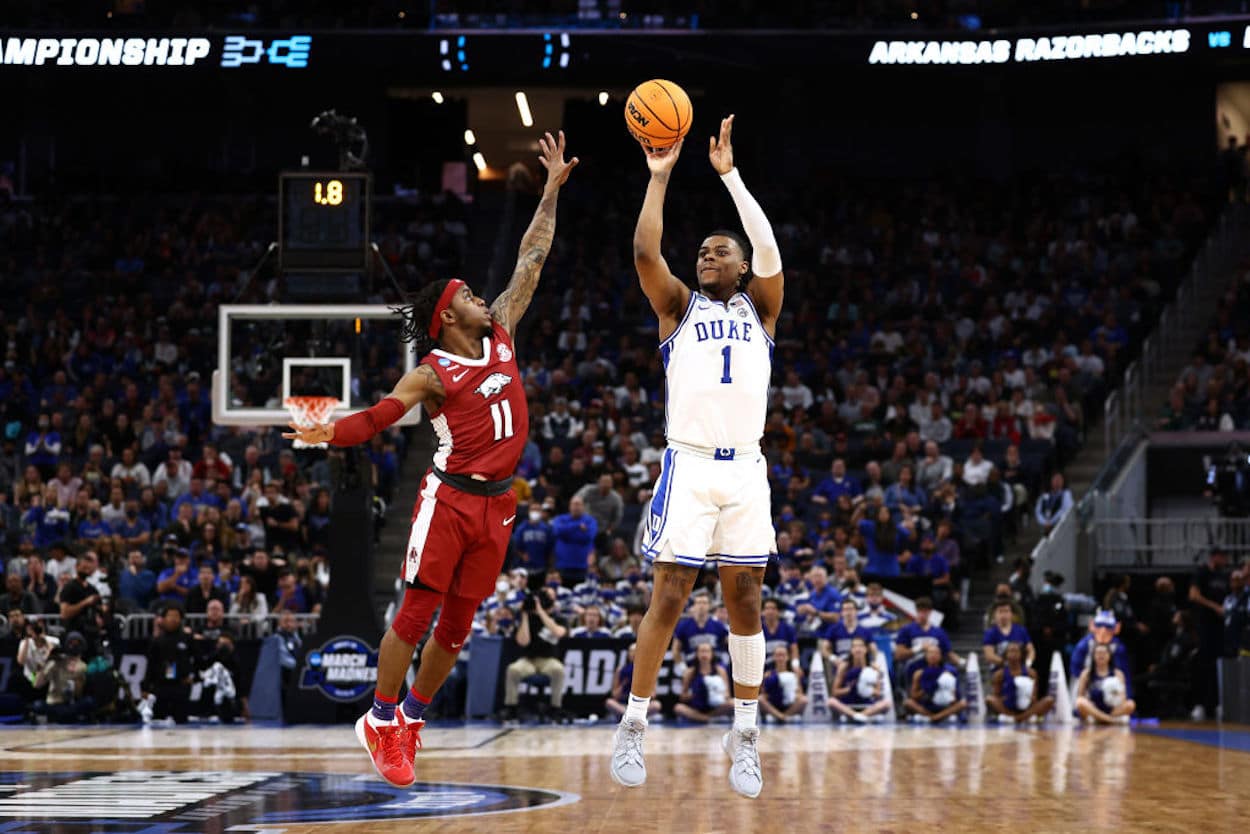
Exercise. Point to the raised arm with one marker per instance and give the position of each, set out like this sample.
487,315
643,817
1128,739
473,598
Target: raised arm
536,243
419,385
668,296
767,285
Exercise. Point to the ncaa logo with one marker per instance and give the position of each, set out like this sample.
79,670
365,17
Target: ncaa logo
503,352
344,669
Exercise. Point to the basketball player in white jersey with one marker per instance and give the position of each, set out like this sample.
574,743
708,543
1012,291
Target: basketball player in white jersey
712,498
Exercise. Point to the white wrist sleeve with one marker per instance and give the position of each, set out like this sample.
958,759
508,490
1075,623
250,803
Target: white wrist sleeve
766,260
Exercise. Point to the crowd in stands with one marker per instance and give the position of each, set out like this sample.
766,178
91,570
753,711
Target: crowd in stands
938,358
118,495
939,355
1212,392
878,660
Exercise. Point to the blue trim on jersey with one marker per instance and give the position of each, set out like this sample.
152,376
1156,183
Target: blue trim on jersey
698,562
743,561
676,330
771,341
659,502
666,349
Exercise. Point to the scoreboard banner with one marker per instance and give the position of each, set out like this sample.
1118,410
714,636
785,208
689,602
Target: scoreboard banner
227,52
532,55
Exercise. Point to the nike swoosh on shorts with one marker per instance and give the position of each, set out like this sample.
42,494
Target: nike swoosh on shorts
508,520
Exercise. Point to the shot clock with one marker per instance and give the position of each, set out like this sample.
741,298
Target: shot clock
323,220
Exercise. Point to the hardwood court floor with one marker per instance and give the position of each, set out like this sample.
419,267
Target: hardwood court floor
822,778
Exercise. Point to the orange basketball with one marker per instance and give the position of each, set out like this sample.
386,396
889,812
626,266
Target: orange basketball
658,113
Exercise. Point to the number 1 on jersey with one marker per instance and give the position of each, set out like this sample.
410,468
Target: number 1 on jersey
725,377
501,416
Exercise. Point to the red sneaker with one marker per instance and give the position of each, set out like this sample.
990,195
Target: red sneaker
388,746
412,742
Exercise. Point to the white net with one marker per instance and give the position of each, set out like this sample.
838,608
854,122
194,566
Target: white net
310,411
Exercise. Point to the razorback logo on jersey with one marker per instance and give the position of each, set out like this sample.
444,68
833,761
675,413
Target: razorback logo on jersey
493,385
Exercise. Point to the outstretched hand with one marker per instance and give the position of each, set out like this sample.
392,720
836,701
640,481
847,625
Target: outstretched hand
719,149
662,160
552,158
317,433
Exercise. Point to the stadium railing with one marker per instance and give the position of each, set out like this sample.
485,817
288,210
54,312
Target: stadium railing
1127,544
142,626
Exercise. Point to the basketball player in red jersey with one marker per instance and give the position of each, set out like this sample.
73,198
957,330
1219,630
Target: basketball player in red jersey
471,386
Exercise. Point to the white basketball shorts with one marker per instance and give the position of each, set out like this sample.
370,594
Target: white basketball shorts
705,508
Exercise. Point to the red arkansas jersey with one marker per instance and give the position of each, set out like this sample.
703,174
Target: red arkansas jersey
484,423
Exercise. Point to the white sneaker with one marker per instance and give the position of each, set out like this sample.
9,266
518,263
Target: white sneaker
628,769
860,717
1199,713
146,706
743,748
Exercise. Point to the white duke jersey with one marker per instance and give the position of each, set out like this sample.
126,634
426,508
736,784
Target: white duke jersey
718,364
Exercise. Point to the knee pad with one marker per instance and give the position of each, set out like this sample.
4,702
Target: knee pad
454,622
747,653
413,618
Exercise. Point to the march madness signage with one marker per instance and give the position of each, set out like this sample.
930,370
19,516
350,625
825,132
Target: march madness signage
344,669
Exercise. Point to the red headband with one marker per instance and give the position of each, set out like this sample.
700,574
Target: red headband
444,301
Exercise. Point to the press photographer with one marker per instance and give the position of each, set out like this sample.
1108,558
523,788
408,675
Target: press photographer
537,637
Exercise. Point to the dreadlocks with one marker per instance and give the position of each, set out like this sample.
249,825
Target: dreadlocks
746,254
417,313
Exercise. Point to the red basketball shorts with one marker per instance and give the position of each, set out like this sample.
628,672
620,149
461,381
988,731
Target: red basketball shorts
458,541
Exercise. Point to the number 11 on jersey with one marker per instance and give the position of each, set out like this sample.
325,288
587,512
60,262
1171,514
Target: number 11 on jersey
725,377
501,416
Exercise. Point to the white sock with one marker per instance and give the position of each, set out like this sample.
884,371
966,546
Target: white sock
745,713
637,707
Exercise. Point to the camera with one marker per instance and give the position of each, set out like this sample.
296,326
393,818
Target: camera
534,599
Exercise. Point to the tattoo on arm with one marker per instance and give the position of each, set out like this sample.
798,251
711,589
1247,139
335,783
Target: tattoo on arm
433,384
515,299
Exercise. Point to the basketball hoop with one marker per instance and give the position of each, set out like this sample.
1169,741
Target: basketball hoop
310,411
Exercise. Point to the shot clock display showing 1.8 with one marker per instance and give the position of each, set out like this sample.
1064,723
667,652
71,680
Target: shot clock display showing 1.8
324,220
